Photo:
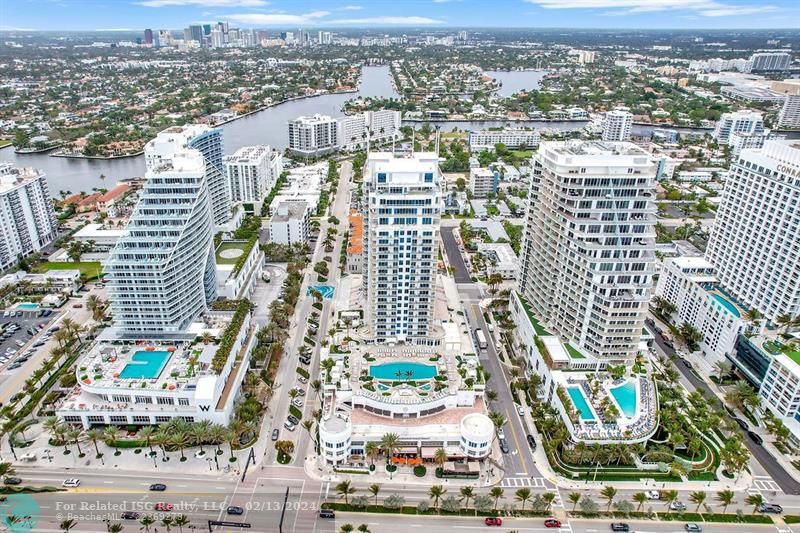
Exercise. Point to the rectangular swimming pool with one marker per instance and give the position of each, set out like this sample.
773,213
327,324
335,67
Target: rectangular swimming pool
145,365
580,403
625,395
402,371
27,306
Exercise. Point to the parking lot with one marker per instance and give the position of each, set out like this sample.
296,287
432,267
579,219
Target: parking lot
11,353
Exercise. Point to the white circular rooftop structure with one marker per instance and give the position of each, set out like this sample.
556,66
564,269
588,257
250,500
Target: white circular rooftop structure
231,253
477,432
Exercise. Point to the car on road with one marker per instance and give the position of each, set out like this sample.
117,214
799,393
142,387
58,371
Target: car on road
552,522
773,508
677,506
687,364
520,410
503,446
71,482
130,515
158,487
742,423
531,441
161,506
275,433
10,480
493,521
327,513
756,437
234,509
620,526
77,306
691,526
500,433
653,495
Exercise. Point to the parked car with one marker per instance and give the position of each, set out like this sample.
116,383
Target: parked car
500,433
531,441
694,528
677,506
234,509
520,410
275,433
302,380
71,482
756,437
552,522
77,306
503,446
130,515
327,513
742,423
10,480
293,419
773,508
620,526
161,506
297,402
493,521
158,487
300,392
288,425
653,495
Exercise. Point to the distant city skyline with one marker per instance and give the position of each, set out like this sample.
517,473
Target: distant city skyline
135,15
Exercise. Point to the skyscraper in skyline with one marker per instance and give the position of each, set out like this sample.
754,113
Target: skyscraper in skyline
588,246
401,233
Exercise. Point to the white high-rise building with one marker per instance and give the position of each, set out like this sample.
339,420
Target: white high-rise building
755,243
588,249
313,136
789,117
252,172
162,270
27,220
691,284
401,234
383,125
770,60
208,141
353,132
617,125
744,121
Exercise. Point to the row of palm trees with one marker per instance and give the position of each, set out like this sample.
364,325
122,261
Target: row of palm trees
147,521
176,434
725,498
437,493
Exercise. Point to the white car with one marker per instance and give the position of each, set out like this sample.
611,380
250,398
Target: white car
297,402
71,482
500,433
653,495
520,410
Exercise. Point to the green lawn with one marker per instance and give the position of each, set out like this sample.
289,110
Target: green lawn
573,352
89,269
230,245
4,142
522,154
536,325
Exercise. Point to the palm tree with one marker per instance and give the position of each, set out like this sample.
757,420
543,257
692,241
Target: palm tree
345,489
726,497
496,493
110,435
669,497
167,522
230,438
74,434
217,436
641,499
6,469
147,434
755,500
316,386
784,320
181,440
466,494
574,498
436,492
200,431
162,439
609,493
374,489
346,528
523,495
548,498
372,449
95,435
284,447
66,525
147,521
115,528
180,521
698,497
440,457
390,442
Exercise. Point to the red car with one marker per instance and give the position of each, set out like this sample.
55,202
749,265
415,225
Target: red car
552,522
163,507
493,521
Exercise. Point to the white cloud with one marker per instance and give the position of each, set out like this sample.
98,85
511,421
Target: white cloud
204,3
389,21
352,8
707,8
444,1
277,19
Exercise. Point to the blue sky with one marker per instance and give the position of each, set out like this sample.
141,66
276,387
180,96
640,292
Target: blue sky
139,14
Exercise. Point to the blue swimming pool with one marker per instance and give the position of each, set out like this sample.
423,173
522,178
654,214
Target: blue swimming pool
27,306
580,403
726,304
325,290
402,371
145,365
626,398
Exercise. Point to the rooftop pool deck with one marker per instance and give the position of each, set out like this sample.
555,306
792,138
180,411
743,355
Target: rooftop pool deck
727,304
402,371
625,396
145,365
